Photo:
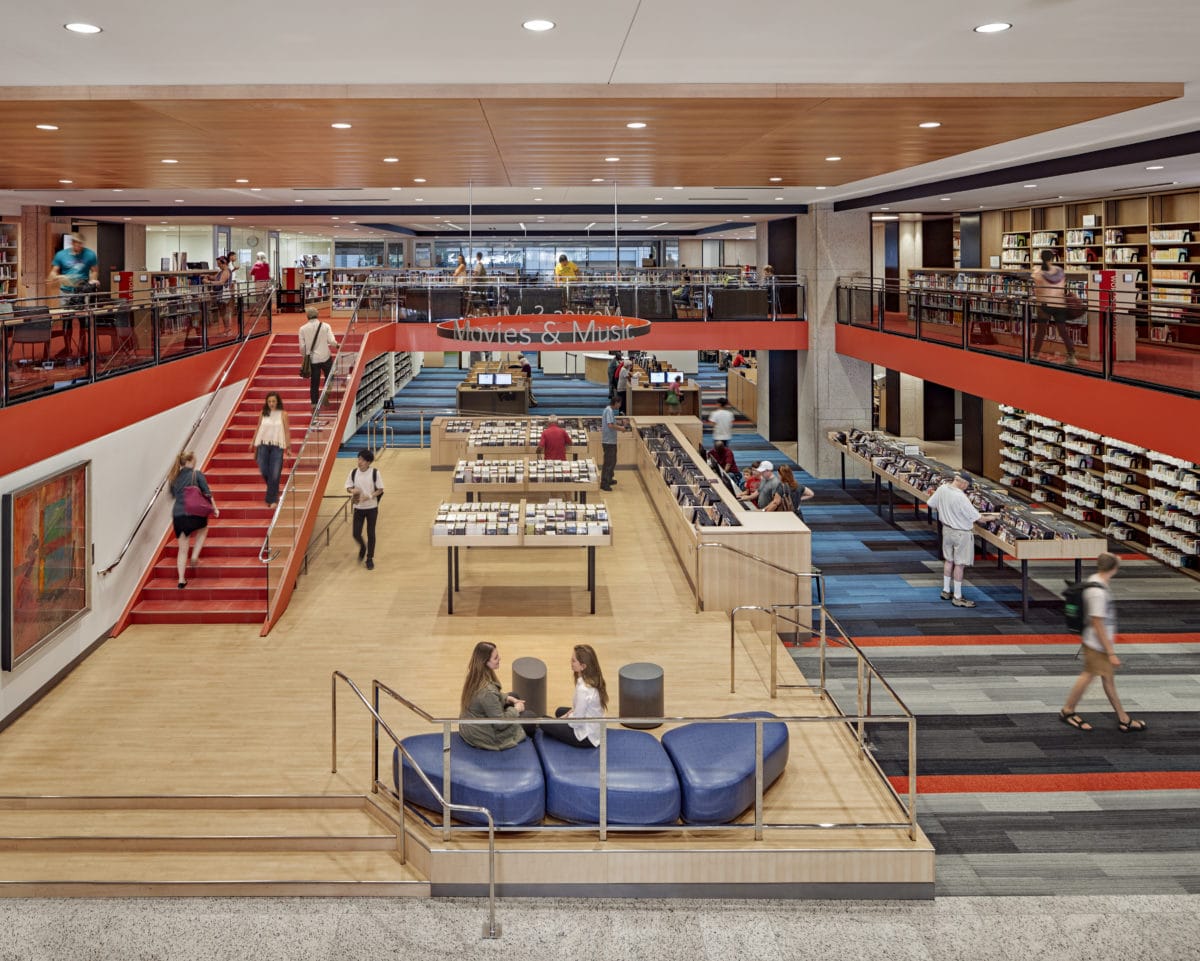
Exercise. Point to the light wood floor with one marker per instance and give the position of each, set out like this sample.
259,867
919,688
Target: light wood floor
206,710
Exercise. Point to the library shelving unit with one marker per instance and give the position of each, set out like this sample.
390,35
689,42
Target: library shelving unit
1140,497
164,282
289,299
347,287
315,285
10,262
382,378
1153,238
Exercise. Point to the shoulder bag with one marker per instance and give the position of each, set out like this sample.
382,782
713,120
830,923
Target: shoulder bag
195,503
306,363
1074,305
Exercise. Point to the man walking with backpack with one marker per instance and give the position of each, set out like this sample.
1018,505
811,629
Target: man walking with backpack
1099,654
365,487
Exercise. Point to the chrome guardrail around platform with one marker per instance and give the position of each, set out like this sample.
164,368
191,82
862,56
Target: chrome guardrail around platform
491,929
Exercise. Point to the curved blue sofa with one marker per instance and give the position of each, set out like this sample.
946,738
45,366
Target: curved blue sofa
642,785
509,783
715,763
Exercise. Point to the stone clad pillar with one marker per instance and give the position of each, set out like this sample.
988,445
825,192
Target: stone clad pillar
833,391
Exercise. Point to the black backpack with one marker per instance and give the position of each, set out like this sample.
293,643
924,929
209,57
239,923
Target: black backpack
1073,609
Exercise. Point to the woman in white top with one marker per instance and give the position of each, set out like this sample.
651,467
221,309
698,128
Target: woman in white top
591,700
271,441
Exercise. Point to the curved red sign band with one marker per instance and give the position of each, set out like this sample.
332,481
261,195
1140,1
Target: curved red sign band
543,330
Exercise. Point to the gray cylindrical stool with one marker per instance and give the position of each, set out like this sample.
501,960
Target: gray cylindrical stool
640,692
529,683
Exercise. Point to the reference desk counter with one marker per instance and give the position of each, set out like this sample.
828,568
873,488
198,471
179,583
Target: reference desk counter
667,455
516,525
741,387
1060,539
644,400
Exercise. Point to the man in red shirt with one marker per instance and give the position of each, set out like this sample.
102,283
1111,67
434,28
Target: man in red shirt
554,441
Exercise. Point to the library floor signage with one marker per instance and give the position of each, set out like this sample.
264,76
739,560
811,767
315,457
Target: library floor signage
46,540
544,331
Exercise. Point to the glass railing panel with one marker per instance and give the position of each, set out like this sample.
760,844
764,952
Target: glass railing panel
124,338
900,308
942,317
1159,346
997,326
180,321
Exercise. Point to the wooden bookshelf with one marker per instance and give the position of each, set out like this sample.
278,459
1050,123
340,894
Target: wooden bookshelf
10,260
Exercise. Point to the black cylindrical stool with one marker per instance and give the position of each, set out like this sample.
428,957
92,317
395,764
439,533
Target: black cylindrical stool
640,692
529,683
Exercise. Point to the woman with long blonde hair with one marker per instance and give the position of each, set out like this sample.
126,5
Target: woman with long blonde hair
184,475
482,698
590,700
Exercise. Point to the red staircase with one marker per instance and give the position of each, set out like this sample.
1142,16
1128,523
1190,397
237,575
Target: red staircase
230,585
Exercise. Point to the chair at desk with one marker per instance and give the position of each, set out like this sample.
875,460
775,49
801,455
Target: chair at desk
116,328
31,325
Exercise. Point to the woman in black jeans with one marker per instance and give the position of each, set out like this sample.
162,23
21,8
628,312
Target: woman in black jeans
1050,293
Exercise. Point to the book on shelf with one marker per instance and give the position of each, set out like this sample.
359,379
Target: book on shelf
1160,236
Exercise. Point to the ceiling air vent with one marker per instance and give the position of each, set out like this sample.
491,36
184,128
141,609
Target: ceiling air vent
1169,183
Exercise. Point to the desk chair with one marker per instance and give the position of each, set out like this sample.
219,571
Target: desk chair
33,328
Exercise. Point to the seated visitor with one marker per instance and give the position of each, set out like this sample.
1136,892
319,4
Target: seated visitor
590,700
482,698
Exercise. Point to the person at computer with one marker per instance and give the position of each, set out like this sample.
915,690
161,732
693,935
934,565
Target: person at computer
527,373
623,374
482,698
768,486
721,456
554,440
590,700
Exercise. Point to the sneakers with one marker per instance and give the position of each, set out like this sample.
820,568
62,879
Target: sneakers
962,602
603,487
371,567
946,595
362,552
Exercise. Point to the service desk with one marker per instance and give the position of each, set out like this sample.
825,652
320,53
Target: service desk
508,401
651,401
595,368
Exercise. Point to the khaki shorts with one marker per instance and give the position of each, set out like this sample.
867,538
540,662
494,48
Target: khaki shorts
1097,662
958,547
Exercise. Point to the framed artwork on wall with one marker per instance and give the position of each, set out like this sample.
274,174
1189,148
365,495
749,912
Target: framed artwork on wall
46,546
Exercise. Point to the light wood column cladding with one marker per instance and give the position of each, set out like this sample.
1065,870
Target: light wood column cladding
38,235
741,387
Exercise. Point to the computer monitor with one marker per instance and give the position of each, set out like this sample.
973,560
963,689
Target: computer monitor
503,380
486,380
658,376
674,377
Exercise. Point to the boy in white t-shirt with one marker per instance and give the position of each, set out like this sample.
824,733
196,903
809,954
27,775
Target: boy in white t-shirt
365,486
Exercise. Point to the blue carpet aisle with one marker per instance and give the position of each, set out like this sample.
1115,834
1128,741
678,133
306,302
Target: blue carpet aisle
1015,802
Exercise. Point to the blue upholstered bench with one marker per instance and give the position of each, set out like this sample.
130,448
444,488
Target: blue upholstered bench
642,786
715,764
508,783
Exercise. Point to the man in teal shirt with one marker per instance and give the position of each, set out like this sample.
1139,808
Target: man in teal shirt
72,268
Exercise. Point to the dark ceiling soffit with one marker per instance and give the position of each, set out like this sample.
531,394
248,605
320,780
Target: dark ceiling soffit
425,210
395,229
1164,147
484,234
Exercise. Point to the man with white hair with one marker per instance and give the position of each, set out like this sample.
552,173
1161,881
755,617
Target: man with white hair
958,516
554,440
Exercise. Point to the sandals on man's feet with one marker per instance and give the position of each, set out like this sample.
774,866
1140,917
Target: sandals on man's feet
1071,719
1132,726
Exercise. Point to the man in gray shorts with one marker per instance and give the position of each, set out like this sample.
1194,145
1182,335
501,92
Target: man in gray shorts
957,516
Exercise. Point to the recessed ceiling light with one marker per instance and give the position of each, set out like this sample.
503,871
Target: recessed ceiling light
929,125
178,201
676,188
340,126
419,200
129,218
658,198
833,159
537,200
645,216
612,160
66,181
82,27
335,218
943,198
1030,186
597,180
299,201
397,188
118,190
886,217
535,188
45,126
1155,167
241,180
636,125
538,26
418,180
60,201
993,27
778,198
168,160
163,221
391,160
775,180
745,216
255,190
821,188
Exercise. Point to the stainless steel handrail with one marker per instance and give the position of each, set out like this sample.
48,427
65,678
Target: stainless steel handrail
265,553
265,303
342,511
798,575
491,929
603,828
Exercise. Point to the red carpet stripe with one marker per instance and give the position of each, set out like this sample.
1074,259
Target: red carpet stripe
969,640
1035,783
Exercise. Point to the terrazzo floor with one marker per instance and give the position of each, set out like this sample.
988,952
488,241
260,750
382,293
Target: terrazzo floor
1163,928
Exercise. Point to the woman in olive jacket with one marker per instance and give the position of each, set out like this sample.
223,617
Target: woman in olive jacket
482,698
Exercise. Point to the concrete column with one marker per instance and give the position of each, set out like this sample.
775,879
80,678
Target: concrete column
833,391
40,240
135,247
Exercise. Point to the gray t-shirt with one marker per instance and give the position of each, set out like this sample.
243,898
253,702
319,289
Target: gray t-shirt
608,433
767,491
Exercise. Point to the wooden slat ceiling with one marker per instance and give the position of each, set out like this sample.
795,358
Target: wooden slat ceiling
514,141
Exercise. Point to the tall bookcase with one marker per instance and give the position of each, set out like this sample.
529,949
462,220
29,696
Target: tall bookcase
1141,497
382,379
10,260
